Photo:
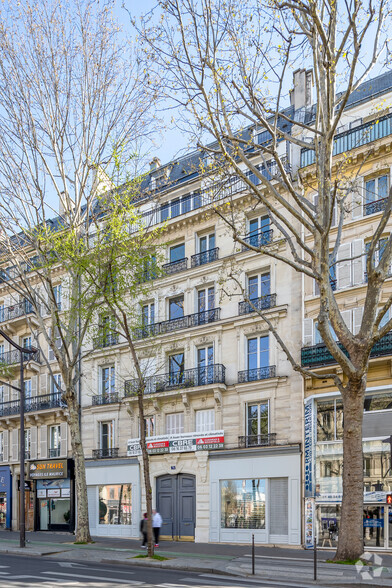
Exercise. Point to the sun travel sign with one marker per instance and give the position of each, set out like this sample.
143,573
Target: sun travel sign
178,443
48,469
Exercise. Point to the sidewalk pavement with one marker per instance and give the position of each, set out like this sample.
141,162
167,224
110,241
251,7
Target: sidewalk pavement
287,564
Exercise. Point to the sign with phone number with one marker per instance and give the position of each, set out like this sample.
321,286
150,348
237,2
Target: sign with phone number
178,443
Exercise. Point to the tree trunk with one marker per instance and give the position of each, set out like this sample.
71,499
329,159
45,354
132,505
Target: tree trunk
146,471
82,522
350,543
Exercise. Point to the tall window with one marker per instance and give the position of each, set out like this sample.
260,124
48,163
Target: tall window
177,252
204,420
257,419
174,423
27,435
259,231
149,426
375,189
26,342
243,504
57,295
108,327
206,299
1,394
205,364
56,384
148,314
259,286
108,380
2,351
115,504
2,312
106,435
1,446
176,307
329,420
258,354
54,441
176,368
27,392
206,243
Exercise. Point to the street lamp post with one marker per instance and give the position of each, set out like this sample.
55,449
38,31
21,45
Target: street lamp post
22,352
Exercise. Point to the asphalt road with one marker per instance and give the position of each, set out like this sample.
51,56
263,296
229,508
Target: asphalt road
22,571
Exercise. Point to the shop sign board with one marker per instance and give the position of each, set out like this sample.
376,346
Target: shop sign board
309,448
367,497
55,468
180,443
309,523
53,492
41,493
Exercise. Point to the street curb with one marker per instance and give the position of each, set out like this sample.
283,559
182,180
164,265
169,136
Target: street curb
166,565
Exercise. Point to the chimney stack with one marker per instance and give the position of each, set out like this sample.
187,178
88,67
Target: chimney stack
155,163
302,93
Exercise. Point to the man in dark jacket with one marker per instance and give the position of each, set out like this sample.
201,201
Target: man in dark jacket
143,530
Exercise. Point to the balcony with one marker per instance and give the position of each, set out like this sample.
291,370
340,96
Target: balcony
183,322
257,374
203,376
376,206
37,403
353,138
54,452
18,310
318,355
101,399
13,357
105,453
175,266
105,341
259,239
204,257
257,440
262,303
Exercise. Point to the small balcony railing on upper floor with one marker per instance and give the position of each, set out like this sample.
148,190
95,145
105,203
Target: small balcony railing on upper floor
174,267
34,404
353,138
108,398
205,257
183,322
261,303
259,239
262,440
18,310
109,452
105,340
252,375
375,206
13,357
318,355
54,452
201,376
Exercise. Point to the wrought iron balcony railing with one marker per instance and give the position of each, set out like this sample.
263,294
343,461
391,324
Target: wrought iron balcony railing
37,403
175,266
353,138
54,452
17,310
252,375
202,376
204,257
318,355
105,341
13,357
105,453
183,322
259,239
109,398
262,303
263,440
376,206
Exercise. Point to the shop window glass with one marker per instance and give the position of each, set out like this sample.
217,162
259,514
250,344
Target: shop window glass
329,420
243,504
378,402
115,504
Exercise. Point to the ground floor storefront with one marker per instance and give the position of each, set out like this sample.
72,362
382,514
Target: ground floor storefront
5,498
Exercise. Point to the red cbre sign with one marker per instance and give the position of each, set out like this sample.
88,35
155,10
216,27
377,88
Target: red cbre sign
209,440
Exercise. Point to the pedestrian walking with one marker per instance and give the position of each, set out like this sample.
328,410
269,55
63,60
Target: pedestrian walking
156,526
143,529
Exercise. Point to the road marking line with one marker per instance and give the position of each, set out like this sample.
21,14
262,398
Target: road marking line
277,557
75,575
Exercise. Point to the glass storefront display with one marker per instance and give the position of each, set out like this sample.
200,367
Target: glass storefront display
243,504
54,504
115,504
373,525
3,509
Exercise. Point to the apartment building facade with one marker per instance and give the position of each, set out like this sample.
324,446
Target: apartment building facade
223,406
363,143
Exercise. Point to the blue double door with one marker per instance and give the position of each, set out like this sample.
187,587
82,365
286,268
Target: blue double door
176,502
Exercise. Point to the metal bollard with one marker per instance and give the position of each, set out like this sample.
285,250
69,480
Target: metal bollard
253,555
315,559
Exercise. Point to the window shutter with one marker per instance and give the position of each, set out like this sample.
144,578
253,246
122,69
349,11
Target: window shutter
51,356
63,440
357,199
279,501
14,394
316,288
357,264
344,267
44,441
347,317
6,393
5,445
34,381
14,445
43,383
308,331
357,319
33,442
